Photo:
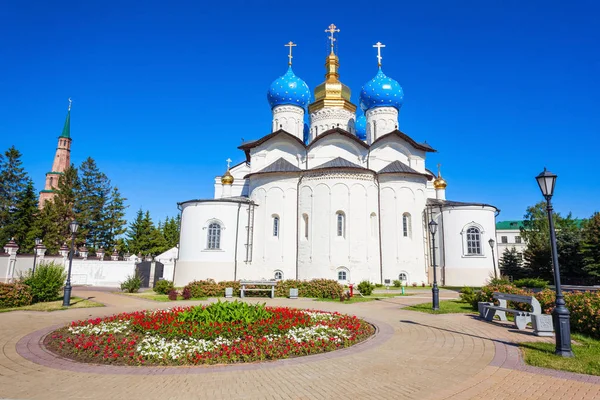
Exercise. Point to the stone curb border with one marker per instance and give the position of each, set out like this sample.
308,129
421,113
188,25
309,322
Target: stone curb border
31,348
509,356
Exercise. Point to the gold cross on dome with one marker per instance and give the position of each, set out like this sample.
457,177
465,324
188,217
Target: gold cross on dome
228,162
332,29
439,168
379,45
290,45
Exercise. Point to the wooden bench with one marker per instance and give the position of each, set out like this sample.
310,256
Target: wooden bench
266,286
488,311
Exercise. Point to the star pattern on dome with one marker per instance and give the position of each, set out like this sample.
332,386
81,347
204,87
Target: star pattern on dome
381,91
288,90
361,127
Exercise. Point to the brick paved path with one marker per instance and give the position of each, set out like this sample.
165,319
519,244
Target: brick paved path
416,356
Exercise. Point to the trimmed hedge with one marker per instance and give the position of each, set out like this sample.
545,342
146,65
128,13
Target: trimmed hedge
318,288
15,295
583,306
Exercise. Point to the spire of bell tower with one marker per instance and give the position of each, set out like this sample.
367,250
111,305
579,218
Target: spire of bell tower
62,161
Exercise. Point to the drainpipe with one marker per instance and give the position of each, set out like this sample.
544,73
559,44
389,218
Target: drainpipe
237,229
297,223
178,242
379,222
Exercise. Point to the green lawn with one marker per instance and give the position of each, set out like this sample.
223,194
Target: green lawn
159,297
446,307
76,302
586,360
359,299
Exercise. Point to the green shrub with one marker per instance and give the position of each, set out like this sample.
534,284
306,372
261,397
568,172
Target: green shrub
163,286
186,294
15,295
366,288
172,294
46,282
207,288
532,283
227,311
132,284
378,285
468,295
498,282
397,283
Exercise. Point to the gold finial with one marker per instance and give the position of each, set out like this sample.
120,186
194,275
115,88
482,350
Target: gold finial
331,29
439,182
290,45
379,45
227,178
70,103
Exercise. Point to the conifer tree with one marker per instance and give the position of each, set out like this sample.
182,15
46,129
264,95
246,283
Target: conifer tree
64,210
511,264
13,182
25,215
135,233
92,196
48,228
170,231
114,223
590,248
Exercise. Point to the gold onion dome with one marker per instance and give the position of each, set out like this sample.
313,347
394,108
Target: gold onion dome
439,182
227,179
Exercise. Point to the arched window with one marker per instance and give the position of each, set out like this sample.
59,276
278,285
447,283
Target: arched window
406,225
473,241
276,225
341,224
342,275
373,225
403,277
51,182
305,218
278,275
214,236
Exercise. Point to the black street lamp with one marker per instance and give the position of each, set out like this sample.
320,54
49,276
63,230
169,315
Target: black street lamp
434,290
35,250
73,226
492,243
560,315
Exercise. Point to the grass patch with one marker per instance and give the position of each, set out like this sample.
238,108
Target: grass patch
159,297
76,302
586,360
446,307
359,299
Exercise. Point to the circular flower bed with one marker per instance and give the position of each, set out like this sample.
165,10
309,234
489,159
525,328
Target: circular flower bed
228,332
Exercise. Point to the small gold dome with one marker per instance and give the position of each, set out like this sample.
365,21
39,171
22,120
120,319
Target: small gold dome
227,179
439,183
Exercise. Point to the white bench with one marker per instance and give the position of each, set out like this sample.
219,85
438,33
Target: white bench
542,323
266,286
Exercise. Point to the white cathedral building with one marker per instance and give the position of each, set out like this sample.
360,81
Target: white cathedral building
345,196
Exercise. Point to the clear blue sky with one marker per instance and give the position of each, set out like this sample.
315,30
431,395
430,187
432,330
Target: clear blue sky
500,88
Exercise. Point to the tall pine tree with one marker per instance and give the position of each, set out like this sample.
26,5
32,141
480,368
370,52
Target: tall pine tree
590,248
25,215
13,182
92,196
114,224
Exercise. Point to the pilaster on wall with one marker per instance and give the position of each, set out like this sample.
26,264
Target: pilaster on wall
290,119
380,120
329,118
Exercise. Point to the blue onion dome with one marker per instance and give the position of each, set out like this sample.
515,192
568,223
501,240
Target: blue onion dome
361,127
288,89
381,91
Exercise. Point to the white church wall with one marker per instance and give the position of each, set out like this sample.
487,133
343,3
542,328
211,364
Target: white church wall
324,252
280,147
402,195
380,120
393,148
329,118
239,186
289,118
333,146
275,196
459,268
196,261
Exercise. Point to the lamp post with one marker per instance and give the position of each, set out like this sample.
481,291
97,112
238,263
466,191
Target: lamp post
73,226
434,290
35,250
492,243
560,315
